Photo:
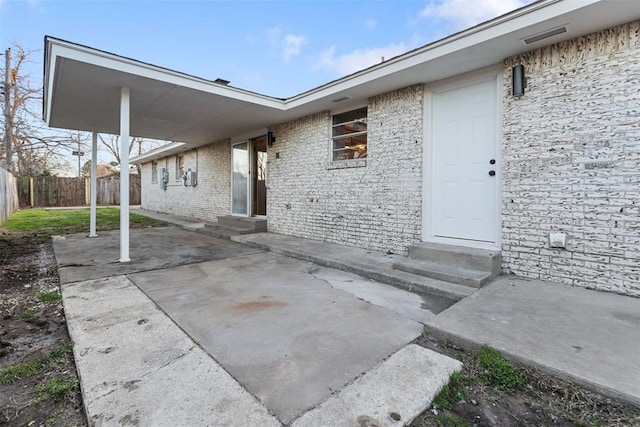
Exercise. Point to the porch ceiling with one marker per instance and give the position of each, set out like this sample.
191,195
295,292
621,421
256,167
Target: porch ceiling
82,85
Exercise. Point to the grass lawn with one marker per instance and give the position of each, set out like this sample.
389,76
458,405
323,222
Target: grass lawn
61,221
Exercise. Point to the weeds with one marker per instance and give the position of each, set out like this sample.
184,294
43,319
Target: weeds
453,392
37,366
498,372
451,421
30,313
57,388
49,296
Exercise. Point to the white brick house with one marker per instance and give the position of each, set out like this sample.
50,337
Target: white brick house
434,146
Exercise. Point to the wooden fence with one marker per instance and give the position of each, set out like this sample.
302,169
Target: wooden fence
51,191
108,191
8,195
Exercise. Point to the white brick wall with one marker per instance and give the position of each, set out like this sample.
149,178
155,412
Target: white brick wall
377,206
571,162
209,199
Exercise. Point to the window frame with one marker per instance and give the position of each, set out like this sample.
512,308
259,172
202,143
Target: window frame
179,166
333,139
154,172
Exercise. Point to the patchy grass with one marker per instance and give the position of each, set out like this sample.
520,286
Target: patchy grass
49,296
30,313
36,366
498,371
453,392
451,421
492,391
47,223
57,388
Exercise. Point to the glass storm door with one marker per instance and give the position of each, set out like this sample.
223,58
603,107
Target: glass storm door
240,179
259,182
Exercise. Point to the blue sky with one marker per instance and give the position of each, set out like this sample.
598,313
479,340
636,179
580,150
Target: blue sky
278,48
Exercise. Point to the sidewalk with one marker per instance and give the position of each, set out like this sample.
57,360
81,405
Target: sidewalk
589,337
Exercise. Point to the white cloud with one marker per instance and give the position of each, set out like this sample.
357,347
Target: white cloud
465,13
358,59
289,45
292,45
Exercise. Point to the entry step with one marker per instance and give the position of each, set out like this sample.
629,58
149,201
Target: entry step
456,264
445,272
256,225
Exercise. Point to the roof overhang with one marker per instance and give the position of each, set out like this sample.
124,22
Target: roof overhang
82,85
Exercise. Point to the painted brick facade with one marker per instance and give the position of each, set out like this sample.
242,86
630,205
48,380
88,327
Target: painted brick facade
377,206
206,201
571,162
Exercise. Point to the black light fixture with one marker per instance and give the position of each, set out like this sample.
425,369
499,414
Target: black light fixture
270,139
518,80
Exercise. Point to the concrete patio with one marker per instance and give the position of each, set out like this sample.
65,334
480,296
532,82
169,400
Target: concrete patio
266,339
259,338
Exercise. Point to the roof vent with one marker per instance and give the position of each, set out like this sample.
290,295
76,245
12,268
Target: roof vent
546,35
343,98
222,81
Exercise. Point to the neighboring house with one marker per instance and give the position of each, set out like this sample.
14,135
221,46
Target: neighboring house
436,145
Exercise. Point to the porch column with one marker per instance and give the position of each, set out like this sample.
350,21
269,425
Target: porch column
94,184
124,175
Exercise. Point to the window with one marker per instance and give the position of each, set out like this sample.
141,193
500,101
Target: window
179,167
154,172
349,135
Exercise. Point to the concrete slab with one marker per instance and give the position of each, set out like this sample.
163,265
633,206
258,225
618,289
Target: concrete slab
289,337
180,221
378,398
589,337
370,264
81,258
420,308
136,367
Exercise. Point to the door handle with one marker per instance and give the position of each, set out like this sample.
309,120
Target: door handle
492,173
492,161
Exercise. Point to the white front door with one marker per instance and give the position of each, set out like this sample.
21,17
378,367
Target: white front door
464,163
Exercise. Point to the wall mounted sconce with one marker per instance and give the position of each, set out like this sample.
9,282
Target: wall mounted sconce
270,139
518,80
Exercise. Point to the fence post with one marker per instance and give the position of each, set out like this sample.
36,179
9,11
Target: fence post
31,193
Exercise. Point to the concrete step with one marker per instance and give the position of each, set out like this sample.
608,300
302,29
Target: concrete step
224,232
256,225
445,272
457,256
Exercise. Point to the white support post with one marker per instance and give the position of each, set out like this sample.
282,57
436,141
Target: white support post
94,184
124,174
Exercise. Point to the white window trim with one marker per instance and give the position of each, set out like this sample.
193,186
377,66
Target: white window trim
154,172
349,163
179,172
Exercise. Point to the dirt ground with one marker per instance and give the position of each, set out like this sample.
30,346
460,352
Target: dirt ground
543,400
34,336
33,333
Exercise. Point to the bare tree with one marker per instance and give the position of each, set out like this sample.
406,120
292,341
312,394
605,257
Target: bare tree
137,146
36,150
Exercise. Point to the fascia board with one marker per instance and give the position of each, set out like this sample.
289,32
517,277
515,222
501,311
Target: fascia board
79,53
500,27
158,153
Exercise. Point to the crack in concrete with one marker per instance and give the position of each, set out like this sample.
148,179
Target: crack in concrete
172,361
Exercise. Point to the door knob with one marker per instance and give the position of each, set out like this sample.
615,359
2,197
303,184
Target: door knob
492,173
492,161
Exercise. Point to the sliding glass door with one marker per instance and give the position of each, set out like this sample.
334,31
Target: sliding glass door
240,179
